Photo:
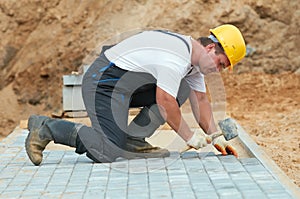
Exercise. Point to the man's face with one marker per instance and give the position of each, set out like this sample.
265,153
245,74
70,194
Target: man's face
210,61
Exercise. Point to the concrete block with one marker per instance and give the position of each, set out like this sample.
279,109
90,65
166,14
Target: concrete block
72,96
11,194
206,194
162,194
228,192
189,154
187,195
250,194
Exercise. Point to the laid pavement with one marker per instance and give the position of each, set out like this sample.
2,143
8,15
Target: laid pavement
65,174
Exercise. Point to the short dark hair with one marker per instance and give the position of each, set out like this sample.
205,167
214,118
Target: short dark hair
206,41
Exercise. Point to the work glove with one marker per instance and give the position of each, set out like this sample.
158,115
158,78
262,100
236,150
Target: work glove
224,146
198,140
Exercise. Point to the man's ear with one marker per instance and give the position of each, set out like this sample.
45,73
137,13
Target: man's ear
209,47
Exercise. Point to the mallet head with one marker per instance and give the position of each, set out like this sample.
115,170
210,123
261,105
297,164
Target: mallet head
229,128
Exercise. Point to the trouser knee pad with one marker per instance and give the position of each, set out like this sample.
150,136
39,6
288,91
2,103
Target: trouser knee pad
146,122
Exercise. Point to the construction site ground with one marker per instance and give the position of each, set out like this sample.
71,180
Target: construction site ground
43,40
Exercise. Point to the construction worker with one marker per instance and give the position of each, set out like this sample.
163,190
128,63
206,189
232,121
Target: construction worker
156,70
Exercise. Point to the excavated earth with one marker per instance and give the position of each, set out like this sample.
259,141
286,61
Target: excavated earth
43,40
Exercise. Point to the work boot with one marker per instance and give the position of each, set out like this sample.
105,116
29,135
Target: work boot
144,125
140,145
43,129
37,140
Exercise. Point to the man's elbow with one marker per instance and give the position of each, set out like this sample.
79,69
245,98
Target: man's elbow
201,97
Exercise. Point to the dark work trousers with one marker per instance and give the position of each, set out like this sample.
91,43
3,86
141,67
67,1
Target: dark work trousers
108,92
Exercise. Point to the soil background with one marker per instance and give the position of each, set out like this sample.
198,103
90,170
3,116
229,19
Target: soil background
43,40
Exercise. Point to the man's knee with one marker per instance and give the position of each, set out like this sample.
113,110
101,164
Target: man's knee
80,148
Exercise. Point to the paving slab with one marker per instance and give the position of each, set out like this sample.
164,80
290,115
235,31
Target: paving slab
65,174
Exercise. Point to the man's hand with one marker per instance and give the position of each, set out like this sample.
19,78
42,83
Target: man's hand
224,146
198,140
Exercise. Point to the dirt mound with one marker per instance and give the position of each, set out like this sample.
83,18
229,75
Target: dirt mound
43,40
268,107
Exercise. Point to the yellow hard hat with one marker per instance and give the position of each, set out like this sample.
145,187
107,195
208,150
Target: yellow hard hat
232,41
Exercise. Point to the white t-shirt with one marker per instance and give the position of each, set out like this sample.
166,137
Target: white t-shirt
165,55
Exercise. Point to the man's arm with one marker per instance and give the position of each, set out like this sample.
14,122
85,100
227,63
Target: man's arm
170,111
202,111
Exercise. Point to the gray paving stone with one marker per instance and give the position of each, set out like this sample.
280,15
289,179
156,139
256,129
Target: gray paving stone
141,192
35,188
219,175
11,188
279,195
31,195
250,194
271,187
189,154
247,185
64,174
11,194
207,194
19,182
159,188
203,187
119,194
55,188
161,194
212,164
154,181
186,195
228,192
173,163
250,161
75,188
232,166
137,196
68,195
97,181
51,195
94,193
240,175
117,183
